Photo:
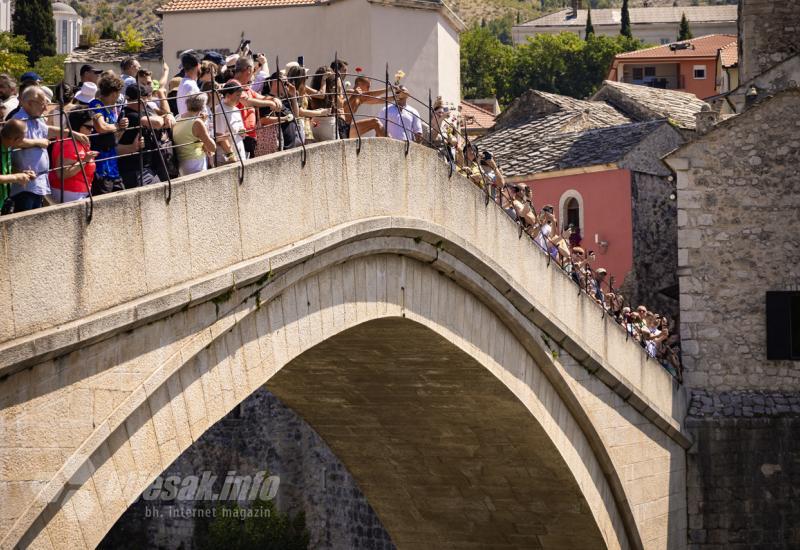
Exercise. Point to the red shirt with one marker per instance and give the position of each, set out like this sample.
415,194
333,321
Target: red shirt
249,114
75,184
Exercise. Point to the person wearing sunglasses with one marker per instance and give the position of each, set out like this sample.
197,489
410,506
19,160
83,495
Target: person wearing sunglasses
78,162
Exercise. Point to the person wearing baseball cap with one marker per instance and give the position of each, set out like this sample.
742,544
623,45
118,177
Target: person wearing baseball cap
90,74
31,76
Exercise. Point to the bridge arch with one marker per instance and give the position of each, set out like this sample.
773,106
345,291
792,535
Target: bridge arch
194,370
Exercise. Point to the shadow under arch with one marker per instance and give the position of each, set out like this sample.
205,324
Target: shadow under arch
444,452
283,321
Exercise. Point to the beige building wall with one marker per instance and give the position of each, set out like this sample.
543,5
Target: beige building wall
367,35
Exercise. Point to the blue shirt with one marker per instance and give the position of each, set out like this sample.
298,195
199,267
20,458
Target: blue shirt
33,158
106,168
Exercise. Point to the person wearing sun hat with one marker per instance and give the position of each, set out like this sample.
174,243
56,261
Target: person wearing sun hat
86,94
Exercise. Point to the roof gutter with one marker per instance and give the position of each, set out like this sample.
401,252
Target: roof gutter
564,173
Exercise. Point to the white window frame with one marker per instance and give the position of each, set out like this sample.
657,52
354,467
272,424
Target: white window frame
562,208
699,68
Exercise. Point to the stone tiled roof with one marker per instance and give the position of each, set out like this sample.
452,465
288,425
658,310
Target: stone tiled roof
536,104
704,46
644,103
537,146
695,14
106,51
482,118
730,55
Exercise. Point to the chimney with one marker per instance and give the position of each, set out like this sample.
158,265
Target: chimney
705,120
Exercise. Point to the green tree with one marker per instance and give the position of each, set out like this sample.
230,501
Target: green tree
501,28
33,19
261,527
132,39
589,26
51,68
684,32
485,63
625,23
107,31
564,64
13,54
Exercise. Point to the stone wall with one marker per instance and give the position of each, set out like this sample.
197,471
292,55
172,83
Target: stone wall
738,237
769,32
262,434
744,470
653,280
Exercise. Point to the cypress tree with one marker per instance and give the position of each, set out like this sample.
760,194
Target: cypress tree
589,26
33,19
625,27
684,32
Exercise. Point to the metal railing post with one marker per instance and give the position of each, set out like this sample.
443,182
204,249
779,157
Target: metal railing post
143,109
61,136
86,182
233,141
349,108
296,123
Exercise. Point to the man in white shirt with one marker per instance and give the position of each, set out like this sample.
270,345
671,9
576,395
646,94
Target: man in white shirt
188,85
411,121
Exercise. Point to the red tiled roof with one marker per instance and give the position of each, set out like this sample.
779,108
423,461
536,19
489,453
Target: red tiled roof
483,118
730,55
172,6
704,46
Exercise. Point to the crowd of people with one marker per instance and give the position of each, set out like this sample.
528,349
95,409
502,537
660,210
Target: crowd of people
655,332
120,131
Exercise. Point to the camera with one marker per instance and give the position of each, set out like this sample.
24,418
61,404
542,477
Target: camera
487,155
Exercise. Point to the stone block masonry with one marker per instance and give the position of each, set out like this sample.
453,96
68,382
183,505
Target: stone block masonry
769,32
744,470
262,434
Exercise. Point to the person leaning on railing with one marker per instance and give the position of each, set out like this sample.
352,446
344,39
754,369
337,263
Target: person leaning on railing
77,180
11,137
30,195
108,129
230,126
192,140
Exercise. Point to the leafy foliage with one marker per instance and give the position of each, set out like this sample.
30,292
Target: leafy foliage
261,527
485,62
684,32
562,64
13,54
50,68
33,19
132,39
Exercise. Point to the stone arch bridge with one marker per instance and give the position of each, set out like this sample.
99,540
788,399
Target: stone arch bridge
478,400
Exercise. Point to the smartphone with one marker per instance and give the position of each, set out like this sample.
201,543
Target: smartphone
301,61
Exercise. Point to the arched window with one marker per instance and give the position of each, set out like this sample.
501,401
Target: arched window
571,210
573,216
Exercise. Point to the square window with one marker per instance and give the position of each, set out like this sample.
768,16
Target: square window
783,325
699,72
638,73
649,71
